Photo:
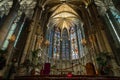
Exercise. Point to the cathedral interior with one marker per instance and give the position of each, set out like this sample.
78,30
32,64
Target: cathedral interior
59,37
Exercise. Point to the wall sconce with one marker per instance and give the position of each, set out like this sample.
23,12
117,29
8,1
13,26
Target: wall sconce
83,41
47,43
12,38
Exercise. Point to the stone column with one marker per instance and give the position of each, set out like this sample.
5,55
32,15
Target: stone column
108,48
8,22
32,32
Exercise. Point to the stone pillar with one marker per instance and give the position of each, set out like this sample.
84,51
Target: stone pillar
32,32
8,58
108,48
8,22
99,43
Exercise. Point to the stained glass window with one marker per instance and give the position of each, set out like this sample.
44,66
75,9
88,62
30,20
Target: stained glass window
13,27
65,39
56,50
65,45
116,15
81,49
50,49
74,44
113,18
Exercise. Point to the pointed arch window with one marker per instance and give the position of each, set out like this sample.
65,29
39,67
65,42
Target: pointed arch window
56,44
116,15
74,44
50,49
113,18
65,45
81,49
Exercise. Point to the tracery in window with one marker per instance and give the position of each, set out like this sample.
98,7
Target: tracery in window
80,37
50,48
65,45
74,44
56,44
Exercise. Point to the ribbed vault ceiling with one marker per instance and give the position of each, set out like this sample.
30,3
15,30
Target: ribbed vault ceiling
64,11
64,17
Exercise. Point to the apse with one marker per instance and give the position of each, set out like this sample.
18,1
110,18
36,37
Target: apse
65,33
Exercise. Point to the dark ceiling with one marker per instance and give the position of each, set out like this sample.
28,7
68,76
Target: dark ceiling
28,6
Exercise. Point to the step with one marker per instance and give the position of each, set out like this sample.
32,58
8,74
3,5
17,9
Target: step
61,77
